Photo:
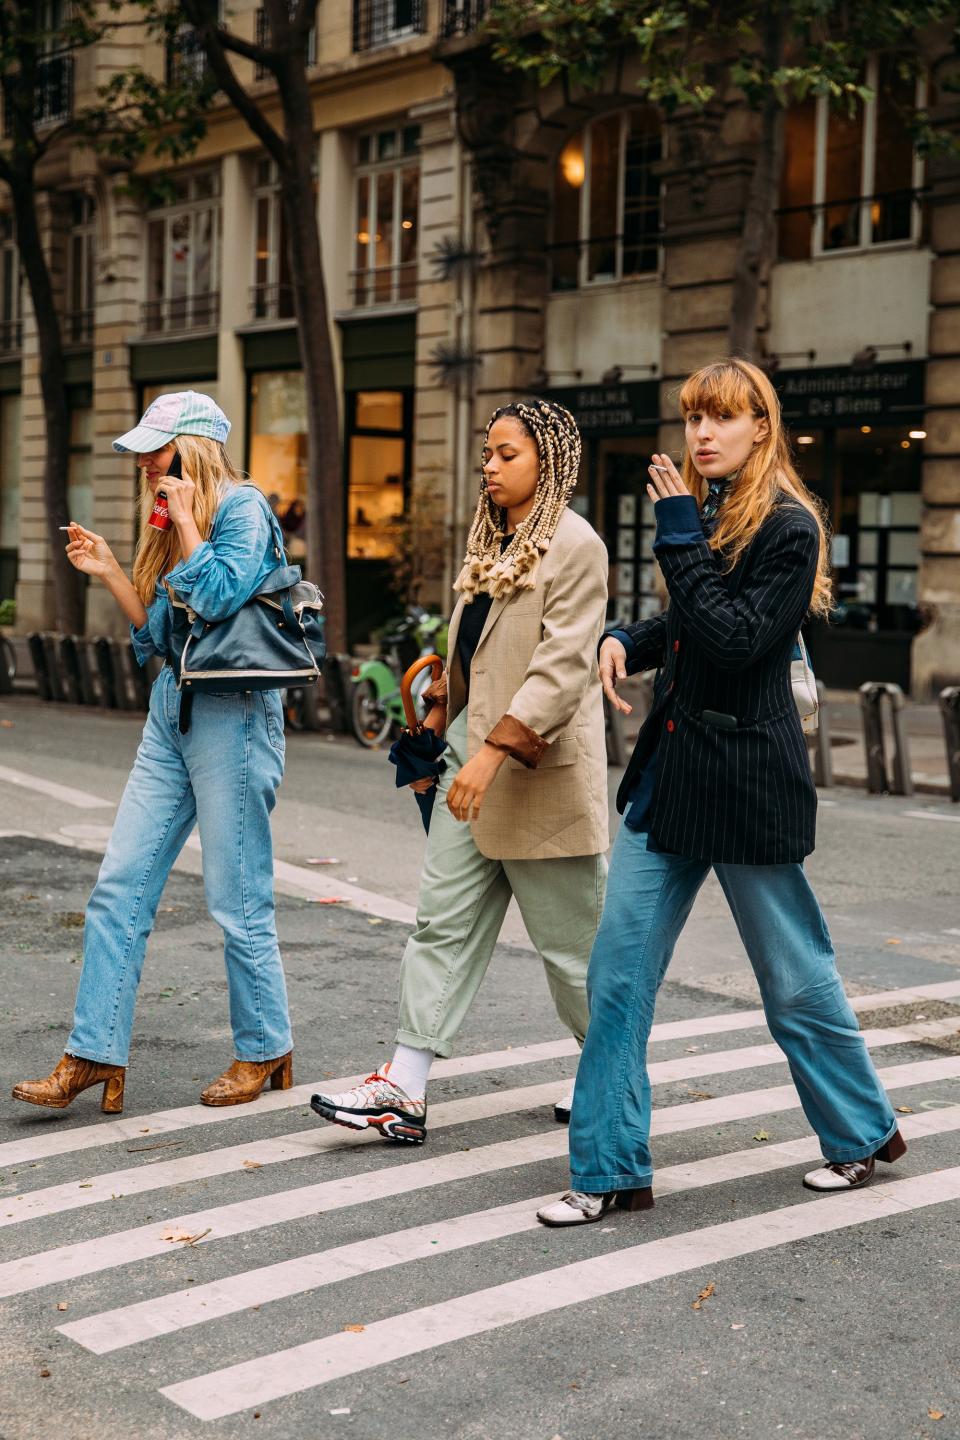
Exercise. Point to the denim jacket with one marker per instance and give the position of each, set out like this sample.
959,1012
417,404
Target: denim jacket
220,576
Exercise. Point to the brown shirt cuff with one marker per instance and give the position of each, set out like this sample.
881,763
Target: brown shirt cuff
518,740
435,693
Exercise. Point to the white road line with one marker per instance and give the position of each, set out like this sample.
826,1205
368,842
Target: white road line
932,815
181,1309
124,1247
64,1141
81,799
334,1357
307,1144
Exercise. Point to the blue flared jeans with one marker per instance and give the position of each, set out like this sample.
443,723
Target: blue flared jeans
222,774
649,896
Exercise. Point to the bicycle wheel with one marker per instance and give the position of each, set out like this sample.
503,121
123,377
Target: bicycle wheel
371,721
8,665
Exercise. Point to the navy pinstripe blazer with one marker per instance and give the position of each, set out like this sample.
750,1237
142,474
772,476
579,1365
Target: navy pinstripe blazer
741,795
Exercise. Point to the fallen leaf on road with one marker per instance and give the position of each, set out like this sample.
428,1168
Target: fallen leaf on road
762,1135
87,1185
904,1110
160,1145
934,1414
700,1094
61,1305
705,1294
325,860
354,1330
372,921
45,1373
252,1165
329,900
185,1236
894,941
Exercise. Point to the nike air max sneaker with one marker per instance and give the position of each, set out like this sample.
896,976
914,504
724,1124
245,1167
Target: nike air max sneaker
380,1104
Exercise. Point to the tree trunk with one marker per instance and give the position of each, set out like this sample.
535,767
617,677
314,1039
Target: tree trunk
325,505
67,582
753,257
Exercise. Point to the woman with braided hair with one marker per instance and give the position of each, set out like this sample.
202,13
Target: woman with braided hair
522,804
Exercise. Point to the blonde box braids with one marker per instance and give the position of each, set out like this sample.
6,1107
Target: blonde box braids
485,568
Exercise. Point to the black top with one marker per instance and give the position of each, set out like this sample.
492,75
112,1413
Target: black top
740,792
472,621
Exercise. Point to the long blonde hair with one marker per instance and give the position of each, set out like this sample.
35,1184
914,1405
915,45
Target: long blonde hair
213,473
732,387
558,443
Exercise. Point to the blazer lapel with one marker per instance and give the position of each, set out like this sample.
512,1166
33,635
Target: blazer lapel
493,615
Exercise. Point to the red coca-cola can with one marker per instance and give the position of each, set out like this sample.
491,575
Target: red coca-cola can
160,516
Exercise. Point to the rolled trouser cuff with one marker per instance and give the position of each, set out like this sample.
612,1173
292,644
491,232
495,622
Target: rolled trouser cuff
436,1046
603,1184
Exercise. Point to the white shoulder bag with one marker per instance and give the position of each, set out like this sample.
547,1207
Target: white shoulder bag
804,688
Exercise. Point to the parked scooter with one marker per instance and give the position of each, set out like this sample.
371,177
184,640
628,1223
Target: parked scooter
377,709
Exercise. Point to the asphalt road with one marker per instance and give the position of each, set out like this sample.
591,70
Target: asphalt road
187,1272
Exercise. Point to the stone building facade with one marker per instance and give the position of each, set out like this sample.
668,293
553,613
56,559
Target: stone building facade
482,241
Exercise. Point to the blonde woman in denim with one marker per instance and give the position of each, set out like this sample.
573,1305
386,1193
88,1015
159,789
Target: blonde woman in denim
217,763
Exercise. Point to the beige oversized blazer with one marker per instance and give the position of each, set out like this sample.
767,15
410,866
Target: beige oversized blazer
535,692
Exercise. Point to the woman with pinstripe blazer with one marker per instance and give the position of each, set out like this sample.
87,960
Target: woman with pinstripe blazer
720,778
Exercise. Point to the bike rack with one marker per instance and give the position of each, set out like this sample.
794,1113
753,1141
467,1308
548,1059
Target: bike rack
87,667
822,756
38,660
950,714
872,695
51,656
69,660
103,655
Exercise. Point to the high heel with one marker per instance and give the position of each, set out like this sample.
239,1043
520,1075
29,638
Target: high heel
635,1199
246,1078
892,1150
70,1076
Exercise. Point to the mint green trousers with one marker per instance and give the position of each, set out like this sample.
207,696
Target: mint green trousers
463,901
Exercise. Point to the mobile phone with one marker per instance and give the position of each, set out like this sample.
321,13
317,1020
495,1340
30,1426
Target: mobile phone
175,468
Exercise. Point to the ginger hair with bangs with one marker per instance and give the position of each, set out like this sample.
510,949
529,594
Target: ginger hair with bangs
729,387
213,473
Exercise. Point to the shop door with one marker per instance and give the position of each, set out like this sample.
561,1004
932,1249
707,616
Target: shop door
629,526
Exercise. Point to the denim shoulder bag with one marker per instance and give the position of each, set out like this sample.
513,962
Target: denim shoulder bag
275,640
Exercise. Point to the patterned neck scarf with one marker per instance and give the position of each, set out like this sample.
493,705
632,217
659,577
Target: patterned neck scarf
716,494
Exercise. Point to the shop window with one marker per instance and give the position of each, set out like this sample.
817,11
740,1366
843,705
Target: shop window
183,257
9,493
629,527
852,181
606,201
11,328
387,216
278,450
378,456
80,270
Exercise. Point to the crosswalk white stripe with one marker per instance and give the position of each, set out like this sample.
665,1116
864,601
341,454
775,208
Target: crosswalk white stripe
123,1247
81,799
334,1357
181,1309
304,1145
65,1141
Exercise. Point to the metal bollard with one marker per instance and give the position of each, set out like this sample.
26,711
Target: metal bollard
38,659
108,681
950,714
69,663
52,657
822,755
87,669
871,706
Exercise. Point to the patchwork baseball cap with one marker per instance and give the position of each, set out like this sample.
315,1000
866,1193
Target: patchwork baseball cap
185,412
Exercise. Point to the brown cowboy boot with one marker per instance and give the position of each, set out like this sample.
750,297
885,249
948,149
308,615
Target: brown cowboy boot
71,1075
246,1078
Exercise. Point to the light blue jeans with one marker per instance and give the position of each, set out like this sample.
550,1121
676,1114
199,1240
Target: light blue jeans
223,774
649,897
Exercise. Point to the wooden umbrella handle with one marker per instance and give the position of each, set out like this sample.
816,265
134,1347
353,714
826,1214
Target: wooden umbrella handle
406,685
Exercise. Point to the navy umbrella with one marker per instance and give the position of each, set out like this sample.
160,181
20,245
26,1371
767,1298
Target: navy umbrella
416,754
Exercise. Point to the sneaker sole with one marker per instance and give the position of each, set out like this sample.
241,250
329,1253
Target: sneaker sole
392,1126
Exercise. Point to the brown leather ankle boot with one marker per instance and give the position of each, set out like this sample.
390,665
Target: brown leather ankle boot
246,1078
71,1075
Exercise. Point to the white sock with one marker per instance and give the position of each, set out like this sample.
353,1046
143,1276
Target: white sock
410,1069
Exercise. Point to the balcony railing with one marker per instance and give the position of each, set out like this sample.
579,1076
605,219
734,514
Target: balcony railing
11,337
53,96
271,302
78,329
461,17
185,312
388,285
262,37
384,22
